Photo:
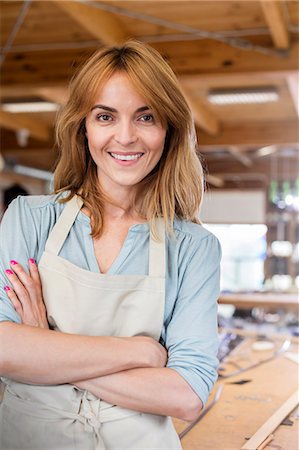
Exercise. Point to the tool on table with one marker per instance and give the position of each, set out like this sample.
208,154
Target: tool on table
285,346
266,442
228,341
244,381
204,412
272,423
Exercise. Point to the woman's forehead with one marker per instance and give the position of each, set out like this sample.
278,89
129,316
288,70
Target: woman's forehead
119,89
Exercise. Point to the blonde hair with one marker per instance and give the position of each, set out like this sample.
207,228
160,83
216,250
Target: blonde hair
175,187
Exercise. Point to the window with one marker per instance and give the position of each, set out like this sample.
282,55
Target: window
244,250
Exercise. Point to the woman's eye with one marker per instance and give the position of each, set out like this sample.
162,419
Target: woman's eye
147,118
104,117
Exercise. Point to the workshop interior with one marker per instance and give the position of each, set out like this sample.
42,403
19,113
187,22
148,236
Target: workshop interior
237,63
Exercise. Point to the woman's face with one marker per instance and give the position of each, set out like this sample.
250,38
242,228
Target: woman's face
125,138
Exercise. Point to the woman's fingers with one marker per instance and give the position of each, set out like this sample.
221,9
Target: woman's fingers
34,273
14,300
26,294
16,279
23,283
22,275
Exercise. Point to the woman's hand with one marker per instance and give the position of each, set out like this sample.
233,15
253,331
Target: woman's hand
155,355
26,294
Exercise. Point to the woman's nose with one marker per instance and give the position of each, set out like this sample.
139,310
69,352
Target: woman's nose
125,133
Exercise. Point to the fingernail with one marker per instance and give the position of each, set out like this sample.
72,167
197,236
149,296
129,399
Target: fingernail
9,272
13,262
32,261
6,288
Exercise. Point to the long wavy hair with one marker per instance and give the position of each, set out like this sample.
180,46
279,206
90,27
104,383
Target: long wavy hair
174,188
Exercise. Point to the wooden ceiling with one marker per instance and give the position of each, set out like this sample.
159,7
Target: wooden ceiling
209,44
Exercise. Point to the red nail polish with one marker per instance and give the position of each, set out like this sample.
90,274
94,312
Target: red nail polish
6,288
32,261
13,262
9,272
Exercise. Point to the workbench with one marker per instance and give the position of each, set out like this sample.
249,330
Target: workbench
261,300
243,408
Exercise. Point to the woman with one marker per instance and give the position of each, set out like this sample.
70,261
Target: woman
129,278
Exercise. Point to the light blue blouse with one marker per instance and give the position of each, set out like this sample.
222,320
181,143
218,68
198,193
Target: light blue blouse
192,278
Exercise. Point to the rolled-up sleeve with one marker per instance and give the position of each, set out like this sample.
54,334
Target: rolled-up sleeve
191,335
18,242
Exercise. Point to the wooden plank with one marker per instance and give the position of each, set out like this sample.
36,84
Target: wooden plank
22,121
38,26
103,25
276,22
201,62
210,57
207,15
266,442
272,423
252,133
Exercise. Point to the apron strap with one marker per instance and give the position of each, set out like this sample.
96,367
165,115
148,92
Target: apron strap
63,225
157,251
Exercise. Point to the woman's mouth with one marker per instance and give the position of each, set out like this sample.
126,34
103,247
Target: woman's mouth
126,157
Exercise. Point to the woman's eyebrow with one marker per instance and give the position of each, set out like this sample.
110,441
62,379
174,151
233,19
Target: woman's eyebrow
113,110
105,108
143,108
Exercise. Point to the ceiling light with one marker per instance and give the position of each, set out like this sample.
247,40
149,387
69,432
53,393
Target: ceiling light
264,151
29,107
242,95
33,172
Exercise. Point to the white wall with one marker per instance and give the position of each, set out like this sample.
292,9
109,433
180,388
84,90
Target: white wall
247,207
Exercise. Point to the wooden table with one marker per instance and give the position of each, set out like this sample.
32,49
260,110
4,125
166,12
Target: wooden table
261,300
243,408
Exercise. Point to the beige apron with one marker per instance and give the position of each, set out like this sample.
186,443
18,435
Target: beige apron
88,303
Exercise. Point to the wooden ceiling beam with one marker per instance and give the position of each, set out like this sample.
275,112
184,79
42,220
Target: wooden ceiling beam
261,133
32,185
203,117
237,79
101,24
57,95
240,156
57,90
262,167
293,85
275,19
214,180
18,122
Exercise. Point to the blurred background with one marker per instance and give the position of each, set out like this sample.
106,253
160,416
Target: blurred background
237,62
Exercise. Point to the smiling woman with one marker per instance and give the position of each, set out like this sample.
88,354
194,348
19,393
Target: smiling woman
111,280
125,138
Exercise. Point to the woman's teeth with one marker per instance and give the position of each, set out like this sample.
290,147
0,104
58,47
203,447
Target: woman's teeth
126,157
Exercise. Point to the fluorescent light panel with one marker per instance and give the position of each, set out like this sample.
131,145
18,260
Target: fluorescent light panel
33,172
242,96
30,107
